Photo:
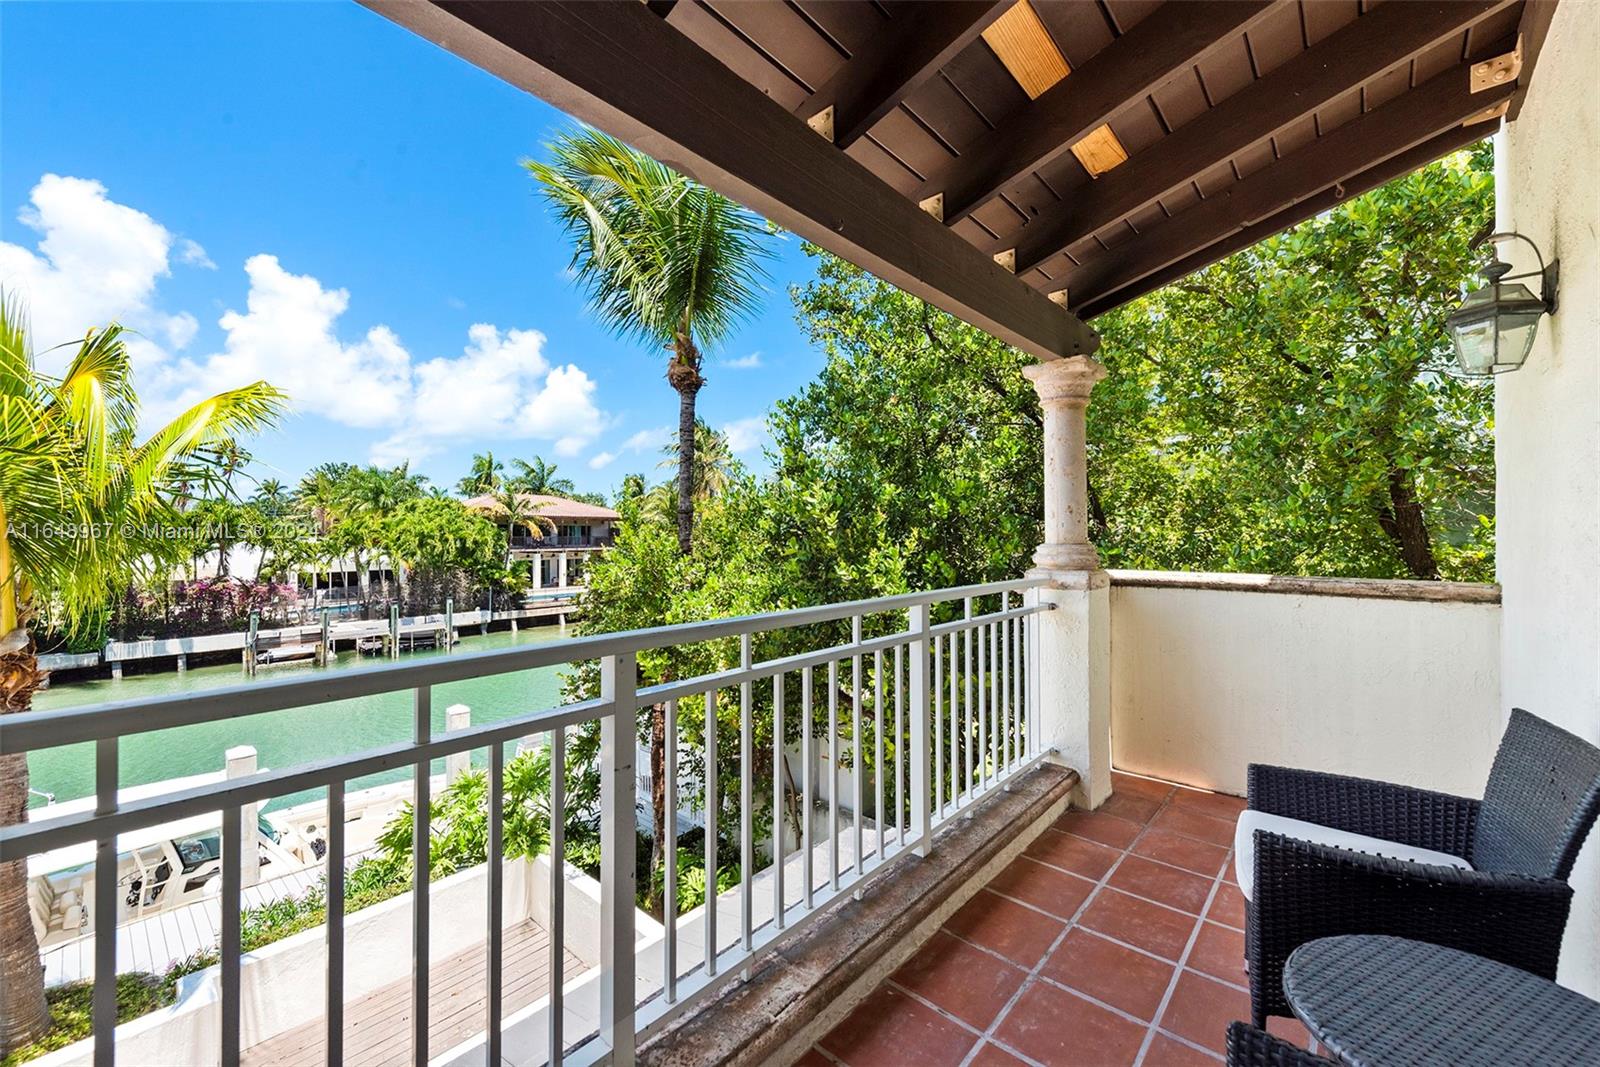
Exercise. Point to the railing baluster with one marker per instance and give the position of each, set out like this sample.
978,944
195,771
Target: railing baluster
856,755
806,774
104,998
669,910
921,800
833,774
877,746
996,723
422,731
558,895
1015,659
936,708
1004,638
899,746
955,724
619,729
777,801
747,832
232,888
966,703
983,707
334,931
711,832
497,872
1020,639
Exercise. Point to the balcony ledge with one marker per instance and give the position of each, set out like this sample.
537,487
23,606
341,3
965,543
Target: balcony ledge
796,995
1369,588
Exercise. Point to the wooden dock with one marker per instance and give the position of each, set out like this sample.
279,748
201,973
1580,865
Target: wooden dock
377,1027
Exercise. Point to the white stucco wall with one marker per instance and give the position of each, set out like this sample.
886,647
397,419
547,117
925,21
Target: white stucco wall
1547,426
1207,681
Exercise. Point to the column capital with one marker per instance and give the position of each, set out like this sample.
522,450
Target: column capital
1067,379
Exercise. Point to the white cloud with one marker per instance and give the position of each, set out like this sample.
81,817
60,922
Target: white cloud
648,440
286,335
97,262
500,387
749,362
746,435
191,253
602,460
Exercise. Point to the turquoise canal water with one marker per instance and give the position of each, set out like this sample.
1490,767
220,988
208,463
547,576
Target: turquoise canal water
283,738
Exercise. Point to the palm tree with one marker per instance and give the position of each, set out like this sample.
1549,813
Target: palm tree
483,476
538,477
714,465
271,496
664,260
514,508
320,493
69,458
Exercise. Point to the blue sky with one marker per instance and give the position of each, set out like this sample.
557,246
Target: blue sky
307,192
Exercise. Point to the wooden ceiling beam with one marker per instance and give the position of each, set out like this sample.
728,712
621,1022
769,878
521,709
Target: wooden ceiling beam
1162,46
1428,111
923,37
620,68
1372,44
1532,28
1368,180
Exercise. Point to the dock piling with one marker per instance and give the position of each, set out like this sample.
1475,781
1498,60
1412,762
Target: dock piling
456,717
240,762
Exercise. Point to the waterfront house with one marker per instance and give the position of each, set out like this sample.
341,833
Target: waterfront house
560,537
1025,166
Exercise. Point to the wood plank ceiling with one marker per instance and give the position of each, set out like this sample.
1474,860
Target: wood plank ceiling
1097,149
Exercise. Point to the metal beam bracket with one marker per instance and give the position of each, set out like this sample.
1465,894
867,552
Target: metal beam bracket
1499,70
822,122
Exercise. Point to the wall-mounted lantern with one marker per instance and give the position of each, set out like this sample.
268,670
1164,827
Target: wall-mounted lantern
1494,327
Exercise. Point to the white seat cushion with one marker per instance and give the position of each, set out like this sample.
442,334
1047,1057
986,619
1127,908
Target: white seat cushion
1244,845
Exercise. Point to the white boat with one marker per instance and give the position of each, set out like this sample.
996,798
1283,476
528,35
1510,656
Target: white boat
159,868
169,880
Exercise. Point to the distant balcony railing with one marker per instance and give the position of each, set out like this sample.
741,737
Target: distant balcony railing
914,725
552,541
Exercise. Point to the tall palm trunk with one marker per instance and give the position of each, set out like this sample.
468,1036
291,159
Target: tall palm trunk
684,375
24,1015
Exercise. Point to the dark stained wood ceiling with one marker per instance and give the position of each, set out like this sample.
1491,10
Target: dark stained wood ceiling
1096,148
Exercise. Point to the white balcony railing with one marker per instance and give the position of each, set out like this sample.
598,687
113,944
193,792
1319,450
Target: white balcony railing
945,706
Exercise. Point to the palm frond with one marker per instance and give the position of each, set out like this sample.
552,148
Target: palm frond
656,253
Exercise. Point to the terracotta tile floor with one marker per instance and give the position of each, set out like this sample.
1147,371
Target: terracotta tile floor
1116,940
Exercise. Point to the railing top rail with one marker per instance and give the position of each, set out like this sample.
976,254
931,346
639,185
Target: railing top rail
24,839
48,729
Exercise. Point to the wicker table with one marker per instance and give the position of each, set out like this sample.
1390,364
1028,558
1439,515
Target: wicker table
1385,1001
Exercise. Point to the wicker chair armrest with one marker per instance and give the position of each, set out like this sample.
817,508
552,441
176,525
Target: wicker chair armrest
1249,1047
1418,817
1304,891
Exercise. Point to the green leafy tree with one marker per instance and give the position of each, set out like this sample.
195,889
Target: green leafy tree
1291,409
83,505
663,259
433,541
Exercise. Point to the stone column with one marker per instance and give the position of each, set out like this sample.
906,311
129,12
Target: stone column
1072,644
561,571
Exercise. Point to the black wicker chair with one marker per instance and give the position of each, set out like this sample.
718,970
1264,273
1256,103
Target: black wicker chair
1521,841
1250,1047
